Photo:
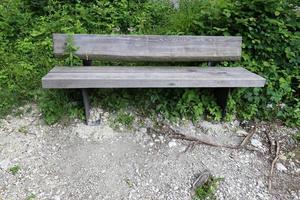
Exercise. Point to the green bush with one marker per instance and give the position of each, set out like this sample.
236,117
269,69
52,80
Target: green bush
271,43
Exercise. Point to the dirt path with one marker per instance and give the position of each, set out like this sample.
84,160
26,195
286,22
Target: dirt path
95,162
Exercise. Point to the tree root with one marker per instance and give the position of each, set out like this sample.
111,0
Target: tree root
273,164
176,135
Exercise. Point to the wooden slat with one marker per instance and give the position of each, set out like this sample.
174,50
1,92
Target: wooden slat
143,77
141,69
151,47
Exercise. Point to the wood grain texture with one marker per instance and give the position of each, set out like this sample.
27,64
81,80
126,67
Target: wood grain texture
150,77
151,47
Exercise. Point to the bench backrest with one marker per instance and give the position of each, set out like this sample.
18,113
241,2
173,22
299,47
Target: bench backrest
151,47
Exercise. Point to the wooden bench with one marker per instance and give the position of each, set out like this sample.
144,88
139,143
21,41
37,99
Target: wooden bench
151,48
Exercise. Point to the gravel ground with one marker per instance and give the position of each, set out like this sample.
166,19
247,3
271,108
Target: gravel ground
76,161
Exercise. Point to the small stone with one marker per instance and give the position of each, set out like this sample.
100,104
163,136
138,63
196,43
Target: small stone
143,130
56,197
292,164
256,143
235,123
161,138
282,157
261,196
151,144
241,132
260,184
280,167
4,164
172,144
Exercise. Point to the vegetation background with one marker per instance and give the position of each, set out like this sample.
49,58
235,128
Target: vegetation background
271,44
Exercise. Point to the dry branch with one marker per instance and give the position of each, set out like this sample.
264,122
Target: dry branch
269,141
248,137
273,164
176,135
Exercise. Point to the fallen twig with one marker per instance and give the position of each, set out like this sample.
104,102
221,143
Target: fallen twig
248,137
198,141
269,141
273,164
189,146
176,135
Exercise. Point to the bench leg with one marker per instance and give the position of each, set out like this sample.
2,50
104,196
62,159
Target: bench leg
85,94
221,95
86,104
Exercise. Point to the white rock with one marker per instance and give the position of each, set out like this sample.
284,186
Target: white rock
172,144
161,138
280,167
241,132
256,143
56,197
151,144
260,183
235,123
143,130
261,196
4,164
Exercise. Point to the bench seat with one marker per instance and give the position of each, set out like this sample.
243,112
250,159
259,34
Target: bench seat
151,77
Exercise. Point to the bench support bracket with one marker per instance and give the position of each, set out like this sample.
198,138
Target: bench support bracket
222,95
85,95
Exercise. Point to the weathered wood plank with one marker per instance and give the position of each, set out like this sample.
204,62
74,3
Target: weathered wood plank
139,77
151,47
143,69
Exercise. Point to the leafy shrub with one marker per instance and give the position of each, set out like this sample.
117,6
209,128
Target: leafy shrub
271,43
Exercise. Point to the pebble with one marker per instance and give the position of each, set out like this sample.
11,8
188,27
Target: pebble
235,123
256,143
143,130
172,144
4,164
151,144
161,138
260,184
261,196
241,132
280,167
56,197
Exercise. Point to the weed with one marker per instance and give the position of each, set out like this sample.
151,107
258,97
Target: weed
14,170
123,118
129,182
70,50
208,189
31,197
296,137
23,129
